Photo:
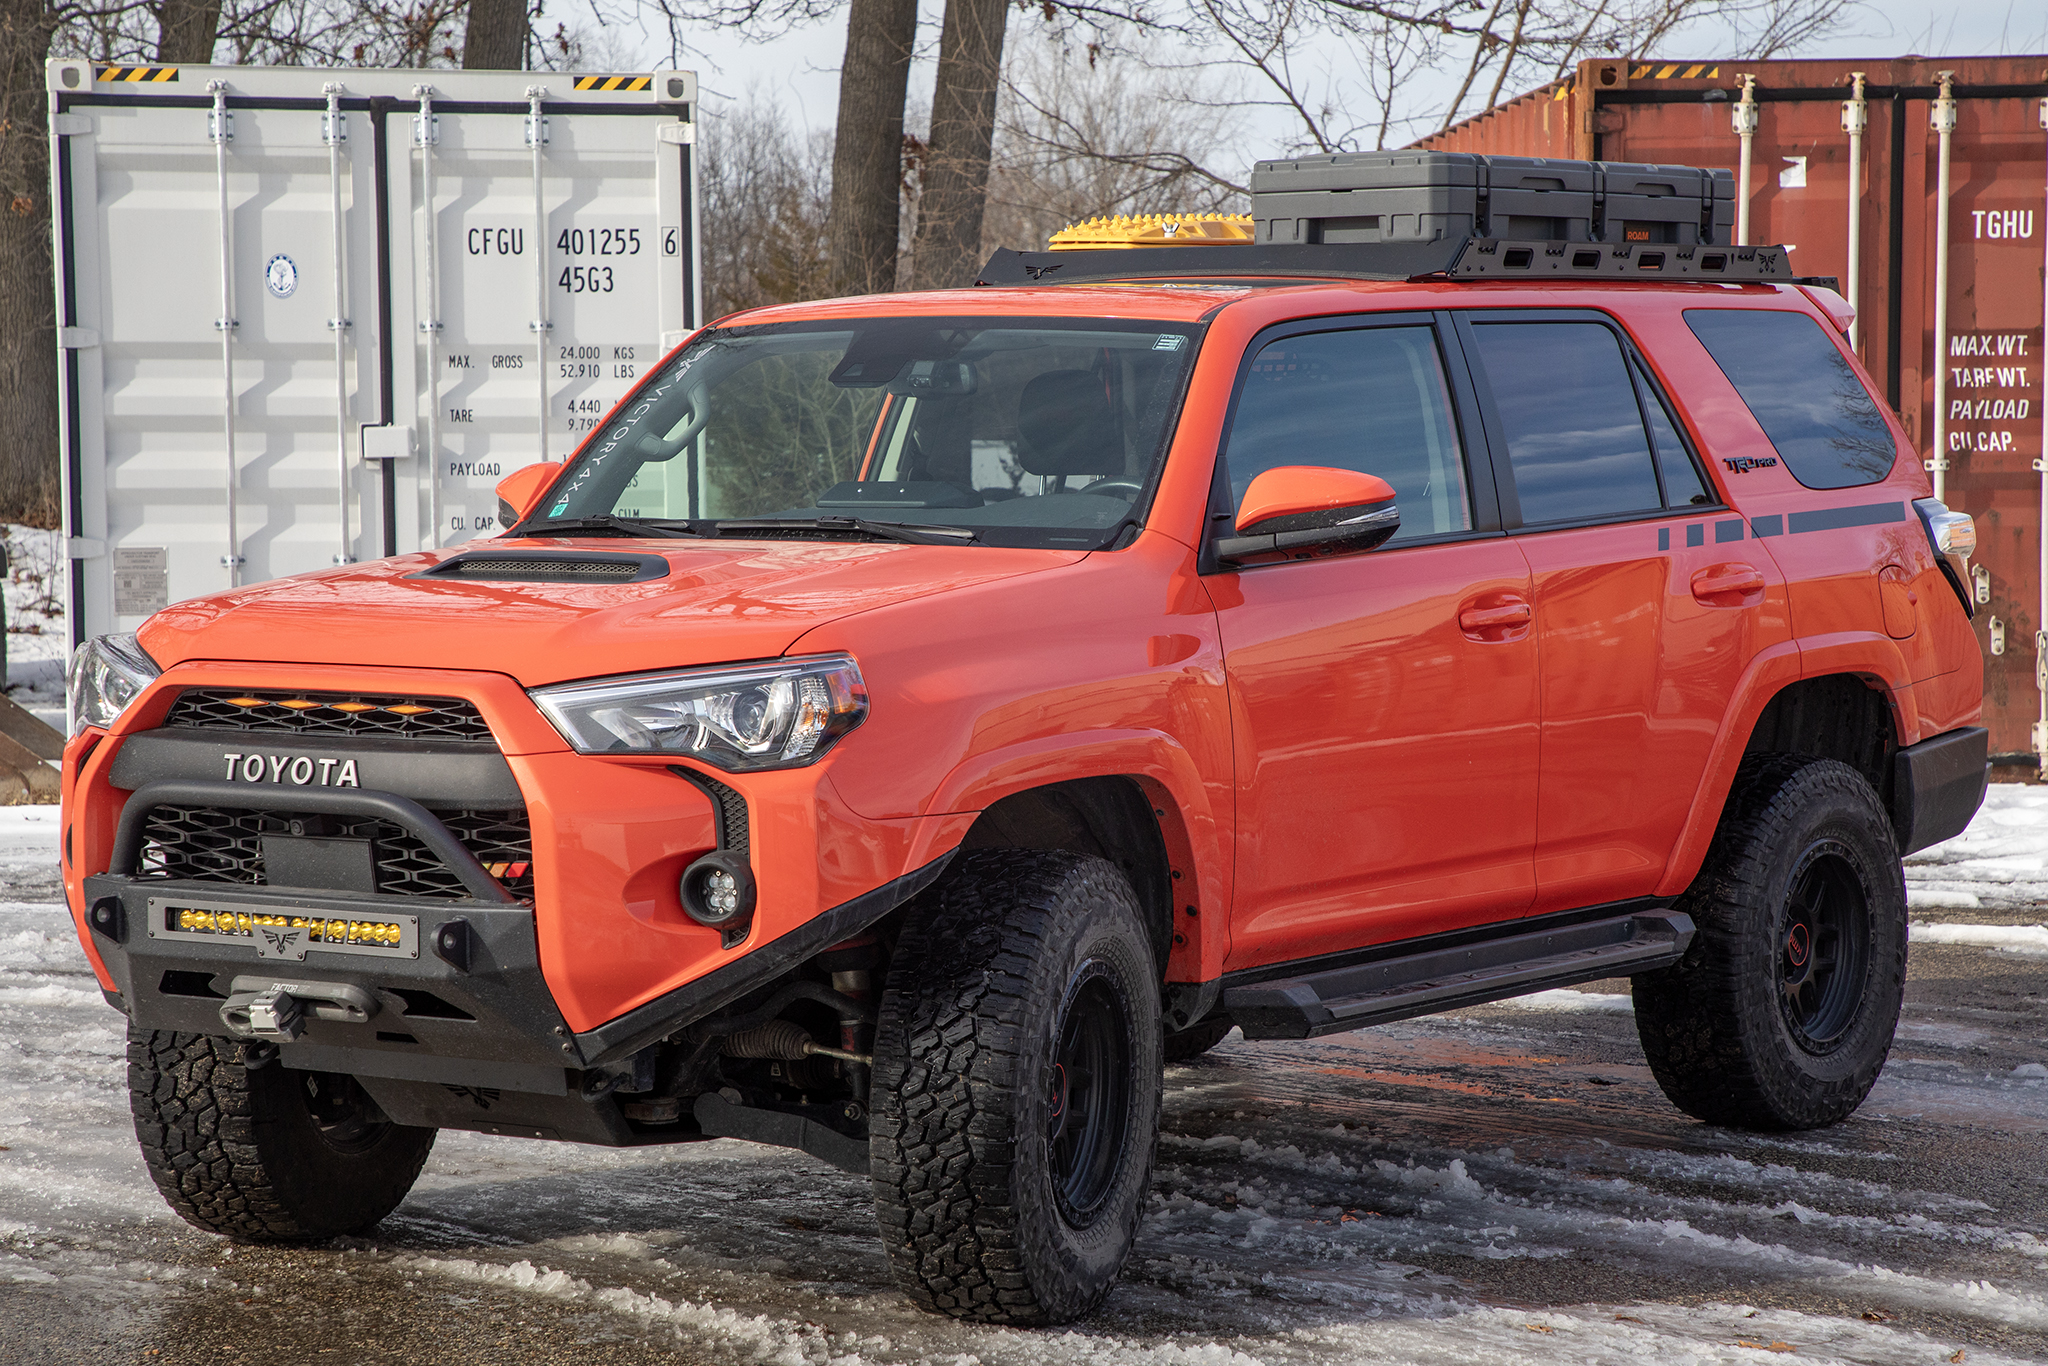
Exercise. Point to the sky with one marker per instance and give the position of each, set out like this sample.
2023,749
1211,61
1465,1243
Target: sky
800,70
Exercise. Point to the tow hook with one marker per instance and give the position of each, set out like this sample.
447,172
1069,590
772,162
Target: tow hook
259,1008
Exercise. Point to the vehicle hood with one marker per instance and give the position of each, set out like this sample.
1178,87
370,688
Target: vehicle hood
719,602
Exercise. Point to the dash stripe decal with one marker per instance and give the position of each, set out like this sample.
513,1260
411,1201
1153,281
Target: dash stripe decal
1837,519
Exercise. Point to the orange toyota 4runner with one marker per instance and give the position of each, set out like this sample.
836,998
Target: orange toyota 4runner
909,722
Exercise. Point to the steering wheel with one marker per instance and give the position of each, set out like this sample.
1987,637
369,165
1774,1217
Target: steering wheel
1129,489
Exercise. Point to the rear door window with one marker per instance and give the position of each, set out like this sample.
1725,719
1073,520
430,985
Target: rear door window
1368,399
1568,411
1803,393
1683,486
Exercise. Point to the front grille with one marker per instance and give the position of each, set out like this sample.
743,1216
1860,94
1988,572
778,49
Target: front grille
321,713
219,844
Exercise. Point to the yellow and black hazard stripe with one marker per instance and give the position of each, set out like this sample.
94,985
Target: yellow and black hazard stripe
1669,71
614,82
134,74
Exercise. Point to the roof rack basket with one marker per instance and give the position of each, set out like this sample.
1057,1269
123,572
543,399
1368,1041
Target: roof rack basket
1454,258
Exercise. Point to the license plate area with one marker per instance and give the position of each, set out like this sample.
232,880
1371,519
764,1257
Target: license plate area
281,932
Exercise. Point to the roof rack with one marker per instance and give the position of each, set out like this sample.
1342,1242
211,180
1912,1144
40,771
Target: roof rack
1453,258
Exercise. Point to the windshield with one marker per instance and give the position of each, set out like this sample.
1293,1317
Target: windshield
1025,432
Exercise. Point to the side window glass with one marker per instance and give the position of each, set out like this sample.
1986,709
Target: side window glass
1682,486
1575,435
1373,400
1805,396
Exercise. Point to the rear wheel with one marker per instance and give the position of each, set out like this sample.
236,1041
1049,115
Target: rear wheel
263,1153
1782,1013
1016,1088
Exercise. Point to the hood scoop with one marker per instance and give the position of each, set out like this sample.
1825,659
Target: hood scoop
546,566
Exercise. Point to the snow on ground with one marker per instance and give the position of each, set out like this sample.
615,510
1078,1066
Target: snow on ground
1501,1185
38,638
2000,862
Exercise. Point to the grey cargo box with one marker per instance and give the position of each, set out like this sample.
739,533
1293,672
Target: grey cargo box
1677,204
1427,196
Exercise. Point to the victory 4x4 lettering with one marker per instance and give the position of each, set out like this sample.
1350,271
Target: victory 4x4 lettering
1004,710
299,769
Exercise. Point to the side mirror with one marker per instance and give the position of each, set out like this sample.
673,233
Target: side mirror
1296,511
520,492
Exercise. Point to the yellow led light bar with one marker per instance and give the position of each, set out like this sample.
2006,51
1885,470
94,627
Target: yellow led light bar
1154,230
320,930
281,932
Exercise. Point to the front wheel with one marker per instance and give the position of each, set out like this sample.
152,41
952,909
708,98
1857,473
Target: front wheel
1782,1012
1016,1088
262,1153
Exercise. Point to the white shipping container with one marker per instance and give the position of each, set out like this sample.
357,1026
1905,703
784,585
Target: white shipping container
309,316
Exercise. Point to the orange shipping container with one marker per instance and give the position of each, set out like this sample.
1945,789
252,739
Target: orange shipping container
1970,382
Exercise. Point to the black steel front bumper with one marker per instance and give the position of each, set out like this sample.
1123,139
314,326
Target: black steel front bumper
465,1032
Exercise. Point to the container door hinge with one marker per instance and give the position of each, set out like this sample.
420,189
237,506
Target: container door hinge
1980,584
77,338
84,548
70,125
675,134
1931,465
2040,739
1997,636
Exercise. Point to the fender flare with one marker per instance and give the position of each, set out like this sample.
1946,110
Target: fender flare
1874,658
1198,841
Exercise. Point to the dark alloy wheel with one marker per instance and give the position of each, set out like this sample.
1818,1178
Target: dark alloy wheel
1824,926
1016,1087
1088,1101
1782,1012
242,1145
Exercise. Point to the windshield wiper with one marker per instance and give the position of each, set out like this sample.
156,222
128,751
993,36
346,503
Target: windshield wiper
624,526
909,534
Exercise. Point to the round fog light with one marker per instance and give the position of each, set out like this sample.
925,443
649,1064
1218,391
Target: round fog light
718,889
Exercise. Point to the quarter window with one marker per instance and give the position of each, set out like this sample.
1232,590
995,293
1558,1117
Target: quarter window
1372,400
1803,393
1574,432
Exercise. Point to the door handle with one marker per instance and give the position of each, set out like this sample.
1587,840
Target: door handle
1729,585
1501,620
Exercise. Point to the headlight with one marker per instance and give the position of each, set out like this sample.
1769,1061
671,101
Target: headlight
107,674
752,717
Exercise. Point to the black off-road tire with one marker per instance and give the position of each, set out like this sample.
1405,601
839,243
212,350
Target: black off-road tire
1016,1088
1782,1012
264,1154
1197,1039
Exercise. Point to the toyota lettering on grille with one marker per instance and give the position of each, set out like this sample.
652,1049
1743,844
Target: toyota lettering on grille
301,769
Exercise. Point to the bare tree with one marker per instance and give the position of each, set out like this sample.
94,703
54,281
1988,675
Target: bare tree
494,37
1085,133
1403,50
766,195
186,31
955,191
28,342
867,154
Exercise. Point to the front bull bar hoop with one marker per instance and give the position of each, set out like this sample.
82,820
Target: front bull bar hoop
419,822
